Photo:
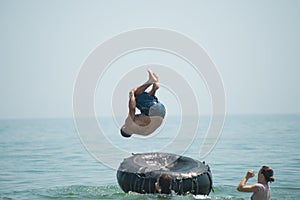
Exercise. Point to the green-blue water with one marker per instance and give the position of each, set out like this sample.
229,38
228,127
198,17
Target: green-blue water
44,159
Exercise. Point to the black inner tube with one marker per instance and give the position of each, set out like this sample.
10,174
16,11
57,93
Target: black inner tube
139,173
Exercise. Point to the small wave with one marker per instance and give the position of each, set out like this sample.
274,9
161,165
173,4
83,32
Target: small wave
68,192
81,192
224,192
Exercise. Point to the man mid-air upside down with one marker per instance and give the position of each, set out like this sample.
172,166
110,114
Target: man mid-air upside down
152,111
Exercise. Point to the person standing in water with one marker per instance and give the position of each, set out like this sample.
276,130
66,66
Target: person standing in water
261,190
152,111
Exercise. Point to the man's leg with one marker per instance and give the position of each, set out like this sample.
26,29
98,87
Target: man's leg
155,87
152,79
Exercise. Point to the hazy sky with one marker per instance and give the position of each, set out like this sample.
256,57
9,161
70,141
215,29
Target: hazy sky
254,44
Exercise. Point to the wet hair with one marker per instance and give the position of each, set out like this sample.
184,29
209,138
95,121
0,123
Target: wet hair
165,183
268,173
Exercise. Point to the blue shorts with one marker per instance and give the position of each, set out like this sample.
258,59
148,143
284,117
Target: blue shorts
149,105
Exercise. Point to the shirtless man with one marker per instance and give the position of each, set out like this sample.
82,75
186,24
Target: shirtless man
152,111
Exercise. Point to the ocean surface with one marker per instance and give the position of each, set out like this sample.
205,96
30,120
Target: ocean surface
45,158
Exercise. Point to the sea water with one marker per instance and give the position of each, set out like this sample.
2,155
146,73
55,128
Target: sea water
45,158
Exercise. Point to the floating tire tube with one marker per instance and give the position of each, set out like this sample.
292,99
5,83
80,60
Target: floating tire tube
139,173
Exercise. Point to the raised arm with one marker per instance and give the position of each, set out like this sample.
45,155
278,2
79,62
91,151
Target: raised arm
242,187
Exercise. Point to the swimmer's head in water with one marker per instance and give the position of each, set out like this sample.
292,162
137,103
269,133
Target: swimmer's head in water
164,184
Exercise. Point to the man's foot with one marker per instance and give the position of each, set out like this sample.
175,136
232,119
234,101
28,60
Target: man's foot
156,77
152,77
155,86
